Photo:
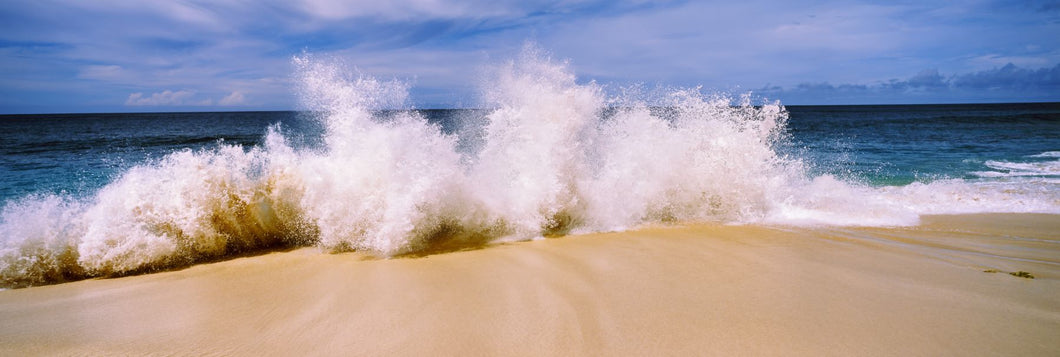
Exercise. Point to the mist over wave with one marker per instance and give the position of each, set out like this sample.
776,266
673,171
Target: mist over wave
550,156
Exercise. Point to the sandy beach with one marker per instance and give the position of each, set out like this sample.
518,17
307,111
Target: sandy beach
942,288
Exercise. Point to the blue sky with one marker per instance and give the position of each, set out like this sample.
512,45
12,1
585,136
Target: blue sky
91,56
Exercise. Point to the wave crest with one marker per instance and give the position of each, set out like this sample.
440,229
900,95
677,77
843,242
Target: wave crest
549,156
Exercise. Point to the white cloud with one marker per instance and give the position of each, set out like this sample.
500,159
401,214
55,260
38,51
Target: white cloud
184,97
404,9
201,16
235,98
166,97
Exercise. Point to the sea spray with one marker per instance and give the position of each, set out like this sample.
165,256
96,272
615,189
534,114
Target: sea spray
546,155
385,185
187,207
39,236
527,174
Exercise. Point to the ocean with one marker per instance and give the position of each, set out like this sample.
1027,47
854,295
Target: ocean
878,145
88,195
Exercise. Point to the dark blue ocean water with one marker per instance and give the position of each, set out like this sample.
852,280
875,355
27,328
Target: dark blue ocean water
900,144
76,154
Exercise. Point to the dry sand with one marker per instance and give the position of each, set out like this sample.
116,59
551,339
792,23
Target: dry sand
691,290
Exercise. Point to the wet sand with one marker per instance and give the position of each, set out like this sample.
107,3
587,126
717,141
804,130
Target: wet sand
942,288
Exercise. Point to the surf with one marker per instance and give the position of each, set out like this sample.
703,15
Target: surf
547,155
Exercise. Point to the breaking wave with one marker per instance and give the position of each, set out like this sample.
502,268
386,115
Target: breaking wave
550,156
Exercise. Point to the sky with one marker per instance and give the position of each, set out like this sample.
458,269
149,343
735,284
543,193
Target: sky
139,56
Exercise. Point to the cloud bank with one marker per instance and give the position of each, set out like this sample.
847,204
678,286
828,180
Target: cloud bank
1008,83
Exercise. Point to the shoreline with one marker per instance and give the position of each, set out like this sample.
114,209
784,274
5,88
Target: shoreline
691,289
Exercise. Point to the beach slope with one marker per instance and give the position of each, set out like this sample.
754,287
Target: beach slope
942,288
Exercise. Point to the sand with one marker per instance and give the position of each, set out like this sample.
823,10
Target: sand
677,290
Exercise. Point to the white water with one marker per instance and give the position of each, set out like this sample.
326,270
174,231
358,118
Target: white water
1017,169
546,164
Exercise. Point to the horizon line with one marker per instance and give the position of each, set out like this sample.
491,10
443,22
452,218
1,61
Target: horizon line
482,108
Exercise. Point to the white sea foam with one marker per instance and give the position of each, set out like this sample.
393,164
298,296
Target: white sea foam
1015,169
548,162
1047,154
